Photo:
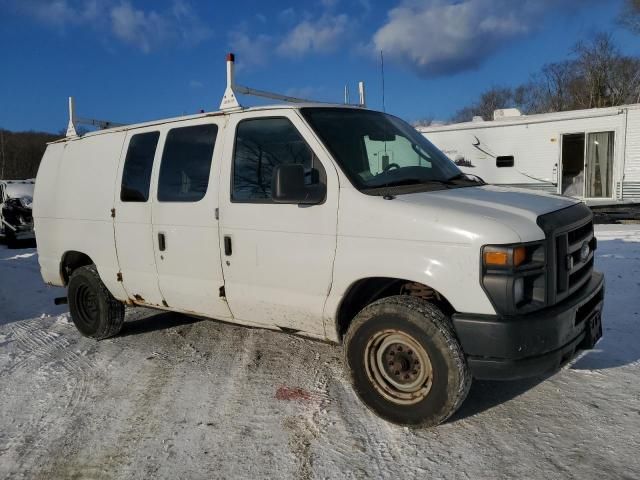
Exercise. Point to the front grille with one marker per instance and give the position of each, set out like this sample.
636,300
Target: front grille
567,231
572,270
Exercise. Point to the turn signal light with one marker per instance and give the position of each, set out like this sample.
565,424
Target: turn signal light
496,258
505,257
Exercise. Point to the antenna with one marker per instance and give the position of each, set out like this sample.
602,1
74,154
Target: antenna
382,75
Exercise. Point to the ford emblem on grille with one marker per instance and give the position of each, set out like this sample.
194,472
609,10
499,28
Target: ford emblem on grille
584,252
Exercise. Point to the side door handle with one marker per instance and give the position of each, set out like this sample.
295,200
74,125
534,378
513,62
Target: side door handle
162,243
227,245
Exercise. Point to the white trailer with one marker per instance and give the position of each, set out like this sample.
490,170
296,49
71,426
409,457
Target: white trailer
590,154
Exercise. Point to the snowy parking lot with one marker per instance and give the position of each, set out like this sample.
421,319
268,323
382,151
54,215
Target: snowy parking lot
178,397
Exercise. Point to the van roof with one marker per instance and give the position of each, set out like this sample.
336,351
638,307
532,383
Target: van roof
162,121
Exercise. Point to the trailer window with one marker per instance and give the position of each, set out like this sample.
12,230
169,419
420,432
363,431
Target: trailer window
186,163
136,174
504,161
261,145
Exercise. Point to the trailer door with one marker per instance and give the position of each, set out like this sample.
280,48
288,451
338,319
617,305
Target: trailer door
599,165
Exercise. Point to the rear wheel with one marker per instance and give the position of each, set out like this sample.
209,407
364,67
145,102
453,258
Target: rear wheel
405,361
94,311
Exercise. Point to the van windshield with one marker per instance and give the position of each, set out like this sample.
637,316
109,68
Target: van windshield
379,152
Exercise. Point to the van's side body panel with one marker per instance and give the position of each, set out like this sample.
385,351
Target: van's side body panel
73,199
134,235
433,238
189,268
280,270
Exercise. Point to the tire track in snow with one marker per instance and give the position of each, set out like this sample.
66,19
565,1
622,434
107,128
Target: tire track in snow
56,364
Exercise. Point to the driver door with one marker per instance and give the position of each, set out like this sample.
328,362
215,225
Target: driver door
277,258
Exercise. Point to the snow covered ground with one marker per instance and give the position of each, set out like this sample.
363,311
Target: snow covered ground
178,397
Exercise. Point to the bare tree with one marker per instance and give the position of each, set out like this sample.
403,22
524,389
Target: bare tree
492,99
22,152
596,75
607,77
423,122
630,16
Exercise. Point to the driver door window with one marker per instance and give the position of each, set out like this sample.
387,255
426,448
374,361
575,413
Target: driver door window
261,145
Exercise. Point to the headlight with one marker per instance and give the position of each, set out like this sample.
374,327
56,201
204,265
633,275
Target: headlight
497,256
514,277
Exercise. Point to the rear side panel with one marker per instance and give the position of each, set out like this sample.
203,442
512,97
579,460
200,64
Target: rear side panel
72,205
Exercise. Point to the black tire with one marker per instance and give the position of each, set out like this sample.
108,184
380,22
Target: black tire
95,312
423,395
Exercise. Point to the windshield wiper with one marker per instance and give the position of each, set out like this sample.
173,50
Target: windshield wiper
407,182
464,177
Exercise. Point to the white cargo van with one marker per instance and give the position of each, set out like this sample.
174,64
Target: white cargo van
334,222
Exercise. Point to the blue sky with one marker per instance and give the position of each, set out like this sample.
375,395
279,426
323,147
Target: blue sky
135,60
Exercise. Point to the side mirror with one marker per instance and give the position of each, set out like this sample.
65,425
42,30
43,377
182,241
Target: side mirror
287,186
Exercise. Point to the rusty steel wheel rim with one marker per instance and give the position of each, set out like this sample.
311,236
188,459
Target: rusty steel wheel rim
398,367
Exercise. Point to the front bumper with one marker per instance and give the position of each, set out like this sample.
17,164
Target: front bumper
504,348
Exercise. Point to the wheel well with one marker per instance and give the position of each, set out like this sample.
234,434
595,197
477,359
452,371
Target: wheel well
368,290
71,261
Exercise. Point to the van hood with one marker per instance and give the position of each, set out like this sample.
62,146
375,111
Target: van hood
494,202
489,209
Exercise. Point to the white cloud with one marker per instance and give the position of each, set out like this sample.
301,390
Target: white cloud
319,36
138,28
250,51
149,29
438,37
144,29
187,23
196,84
287,15
58,13
329,3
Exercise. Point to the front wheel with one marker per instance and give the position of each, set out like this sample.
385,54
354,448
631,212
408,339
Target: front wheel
405,361
94,311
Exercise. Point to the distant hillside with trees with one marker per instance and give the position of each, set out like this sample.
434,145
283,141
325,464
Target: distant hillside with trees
21,152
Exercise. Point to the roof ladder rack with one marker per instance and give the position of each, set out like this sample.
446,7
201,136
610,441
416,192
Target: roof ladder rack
230,98
73,121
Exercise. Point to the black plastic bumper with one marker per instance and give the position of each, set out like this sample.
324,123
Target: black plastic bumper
503,348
